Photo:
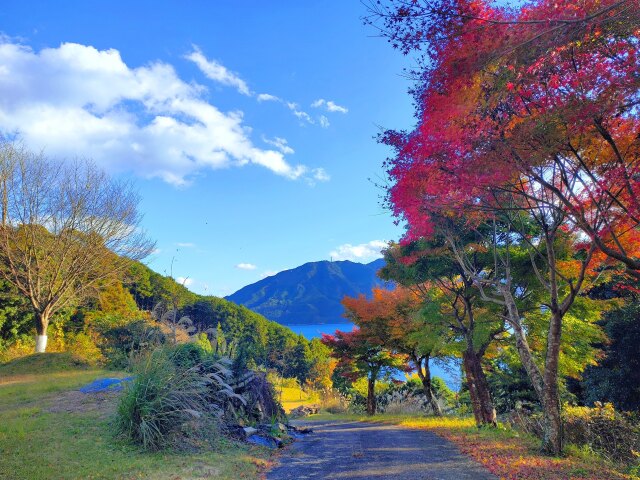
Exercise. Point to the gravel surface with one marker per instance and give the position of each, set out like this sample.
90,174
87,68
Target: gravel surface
356,450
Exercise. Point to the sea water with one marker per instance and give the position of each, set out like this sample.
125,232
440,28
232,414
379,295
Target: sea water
447,370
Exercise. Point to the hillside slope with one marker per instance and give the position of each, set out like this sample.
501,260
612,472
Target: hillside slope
310,293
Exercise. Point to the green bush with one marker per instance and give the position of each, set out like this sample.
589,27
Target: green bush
166,405
122,341
613,434
189,355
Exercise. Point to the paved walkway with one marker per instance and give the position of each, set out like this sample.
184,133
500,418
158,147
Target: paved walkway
356,450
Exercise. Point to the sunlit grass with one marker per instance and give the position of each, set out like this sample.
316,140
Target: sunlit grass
291,395
38,444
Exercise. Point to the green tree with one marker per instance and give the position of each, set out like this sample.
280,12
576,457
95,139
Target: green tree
361,356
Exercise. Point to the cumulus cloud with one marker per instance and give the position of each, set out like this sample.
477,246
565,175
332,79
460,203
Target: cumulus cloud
324,121
246,266
76,100
217,72
364,252
268,273
329,105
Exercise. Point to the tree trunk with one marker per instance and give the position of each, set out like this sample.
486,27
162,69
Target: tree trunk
425,378
42,323
522,344
481,402
552,420
371,394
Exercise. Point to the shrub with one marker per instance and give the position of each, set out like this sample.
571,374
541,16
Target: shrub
123,341
334,402
166,405
82,346
409,398
21,347
189,355
613,434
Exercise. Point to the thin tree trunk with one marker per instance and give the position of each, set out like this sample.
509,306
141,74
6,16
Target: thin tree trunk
425,377
552,420
522,344
371,393
42,323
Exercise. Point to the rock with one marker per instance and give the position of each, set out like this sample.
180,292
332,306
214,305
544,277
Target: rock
304,411
303,430
272,427
248,431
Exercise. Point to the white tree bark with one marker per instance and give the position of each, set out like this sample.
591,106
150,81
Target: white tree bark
41,343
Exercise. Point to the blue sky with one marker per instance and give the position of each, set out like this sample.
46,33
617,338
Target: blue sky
247,126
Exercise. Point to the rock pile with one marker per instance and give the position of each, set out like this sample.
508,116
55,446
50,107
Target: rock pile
271,435
304,411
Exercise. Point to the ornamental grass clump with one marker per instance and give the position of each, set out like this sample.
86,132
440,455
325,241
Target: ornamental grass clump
166,405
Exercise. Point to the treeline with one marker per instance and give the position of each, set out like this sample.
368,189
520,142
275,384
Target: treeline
244,335
250,336
71,278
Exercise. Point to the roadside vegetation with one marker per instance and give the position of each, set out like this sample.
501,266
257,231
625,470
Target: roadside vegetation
505,451
50,430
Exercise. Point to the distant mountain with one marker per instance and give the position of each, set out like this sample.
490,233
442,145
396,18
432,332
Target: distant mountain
310,293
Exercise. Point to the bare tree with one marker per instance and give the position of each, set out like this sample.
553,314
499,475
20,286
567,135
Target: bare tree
67,229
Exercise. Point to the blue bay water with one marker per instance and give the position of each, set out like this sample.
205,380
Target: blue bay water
448,371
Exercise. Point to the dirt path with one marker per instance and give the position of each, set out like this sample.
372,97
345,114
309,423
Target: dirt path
356,450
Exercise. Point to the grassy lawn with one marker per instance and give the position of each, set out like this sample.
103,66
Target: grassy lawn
40,440
291,395
507,454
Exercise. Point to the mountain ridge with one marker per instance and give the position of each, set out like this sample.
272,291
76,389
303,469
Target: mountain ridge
310,293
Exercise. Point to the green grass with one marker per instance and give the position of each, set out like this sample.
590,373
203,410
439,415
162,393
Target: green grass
293,397
38,444
290,395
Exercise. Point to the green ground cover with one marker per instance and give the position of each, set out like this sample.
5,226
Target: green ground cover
49,430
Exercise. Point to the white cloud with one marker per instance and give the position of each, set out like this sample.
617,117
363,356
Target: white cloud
75,100
186,281
329,105
324,121
268,273
280,143
365,252
321,175
246,266
302,115
186,244
217,72
267,97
